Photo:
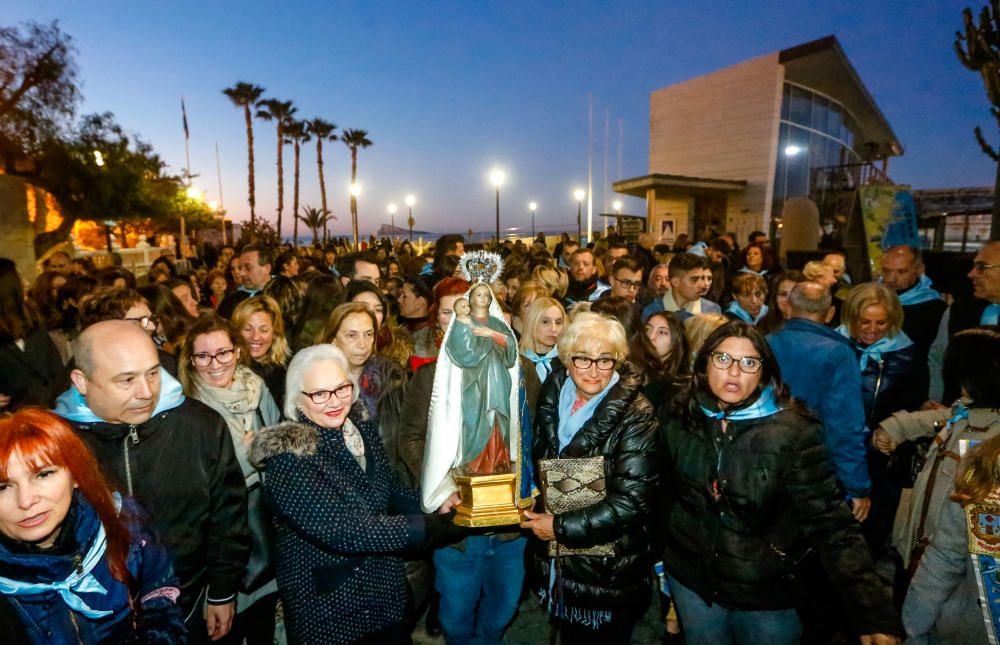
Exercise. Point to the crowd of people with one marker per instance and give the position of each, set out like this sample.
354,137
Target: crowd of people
231,449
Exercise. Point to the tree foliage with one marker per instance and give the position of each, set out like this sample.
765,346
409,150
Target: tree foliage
101,173
38,86
978,48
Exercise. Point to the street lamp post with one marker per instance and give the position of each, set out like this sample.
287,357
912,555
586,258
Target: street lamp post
496,178
410,201
392,213
617,205
579,194
532,207
355,193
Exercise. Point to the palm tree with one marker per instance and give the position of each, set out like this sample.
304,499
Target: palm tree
314,218
246,95
296,134
321,130
355,139
281,113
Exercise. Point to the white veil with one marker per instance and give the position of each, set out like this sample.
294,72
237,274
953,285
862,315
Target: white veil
443,447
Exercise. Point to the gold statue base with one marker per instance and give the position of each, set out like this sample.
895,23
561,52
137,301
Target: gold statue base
487,500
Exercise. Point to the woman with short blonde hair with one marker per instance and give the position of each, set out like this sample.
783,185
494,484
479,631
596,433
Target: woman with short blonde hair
556,281
873,294
588,330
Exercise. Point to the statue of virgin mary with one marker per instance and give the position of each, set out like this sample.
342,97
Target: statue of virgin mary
478,415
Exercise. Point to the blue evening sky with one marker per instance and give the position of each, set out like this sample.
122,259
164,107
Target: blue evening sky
447,90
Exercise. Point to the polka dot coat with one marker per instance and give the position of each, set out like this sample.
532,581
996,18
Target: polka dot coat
339,530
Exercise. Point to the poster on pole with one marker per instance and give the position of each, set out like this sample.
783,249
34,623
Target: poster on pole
889,216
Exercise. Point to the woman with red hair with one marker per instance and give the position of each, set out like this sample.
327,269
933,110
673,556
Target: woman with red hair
77,563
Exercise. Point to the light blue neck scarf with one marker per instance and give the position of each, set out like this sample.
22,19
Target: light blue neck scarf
765,406
875,350
991,315
741,313
543,362
762,273
918,293
79,581
570,422
961,412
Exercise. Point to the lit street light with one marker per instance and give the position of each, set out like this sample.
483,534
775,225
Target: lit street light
496,178
579,194
617,205
410,201
355,193
392,213
532,207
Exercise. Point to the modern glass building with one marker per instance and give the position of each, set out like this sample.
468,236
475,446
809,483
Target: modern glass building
727,149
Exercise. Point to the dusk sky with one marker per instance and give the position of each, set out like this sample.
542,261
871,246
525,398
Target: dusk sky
447,90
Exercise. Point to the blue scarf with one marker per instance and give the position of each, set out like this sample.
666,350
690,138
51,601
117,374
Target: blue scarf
543,362
918,293
698,249
73,406
883,346
80,580
991,315
571,422
741,313
762,273
961,412
765,406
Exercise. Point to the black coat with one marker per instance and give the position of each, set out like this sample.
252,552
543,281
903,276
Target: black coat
181,466
34,376
921,322
899,381
624,430
745,505
339,531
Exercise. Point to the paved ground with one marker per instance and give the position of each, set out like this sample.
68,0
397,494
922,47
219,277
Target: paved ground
531,627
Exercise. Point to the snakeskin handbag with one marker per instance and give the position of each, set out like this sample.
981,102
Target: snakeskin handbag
571,484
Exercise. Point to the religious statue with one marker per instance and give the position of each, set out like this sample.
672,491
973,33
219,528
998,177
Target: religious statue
478,430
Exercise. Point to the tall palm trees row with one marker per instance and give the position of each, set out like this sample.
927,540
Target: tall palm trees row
294,132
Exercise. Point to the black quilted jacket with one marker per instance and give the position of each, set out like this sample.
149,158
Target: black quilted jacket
776,495
624,430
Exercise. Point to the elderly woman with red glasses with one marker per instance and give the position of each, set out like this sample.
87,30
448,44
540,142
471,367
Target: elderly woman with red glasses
342,518
591,565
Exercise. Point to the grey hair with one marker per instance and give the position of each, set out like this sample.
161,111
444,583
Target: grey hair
587,328
83,353
801,301
297,371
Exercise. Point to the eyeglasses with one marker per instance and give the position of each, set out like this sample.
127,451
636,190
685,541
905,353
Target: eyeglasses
319,397
146,322
747,364
631,285
983,266
584,362
223,356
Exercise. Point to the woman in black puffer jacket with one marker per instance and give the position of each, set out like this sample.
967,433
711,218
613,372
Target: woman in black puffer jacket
751,490
588,409
894,377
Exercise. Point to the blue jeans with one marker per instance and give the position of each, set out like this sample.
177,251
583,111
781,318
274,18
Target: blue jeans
715,624
480,588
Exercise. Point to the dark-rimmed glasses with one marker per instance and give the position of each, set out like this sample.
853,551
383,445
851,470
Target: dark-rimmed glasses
223,357
146,322
319,397
631,285
584,362
747,364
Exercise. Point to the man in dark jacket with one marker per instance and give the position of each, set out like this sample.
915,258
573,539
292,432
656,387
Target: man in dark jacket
174,455
821,370
255,262
584,283
903,272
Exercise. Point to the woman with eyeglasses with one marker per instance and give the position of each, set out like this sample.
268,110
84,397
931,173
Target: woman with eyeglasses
591,408
215,369
342,518
751,493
